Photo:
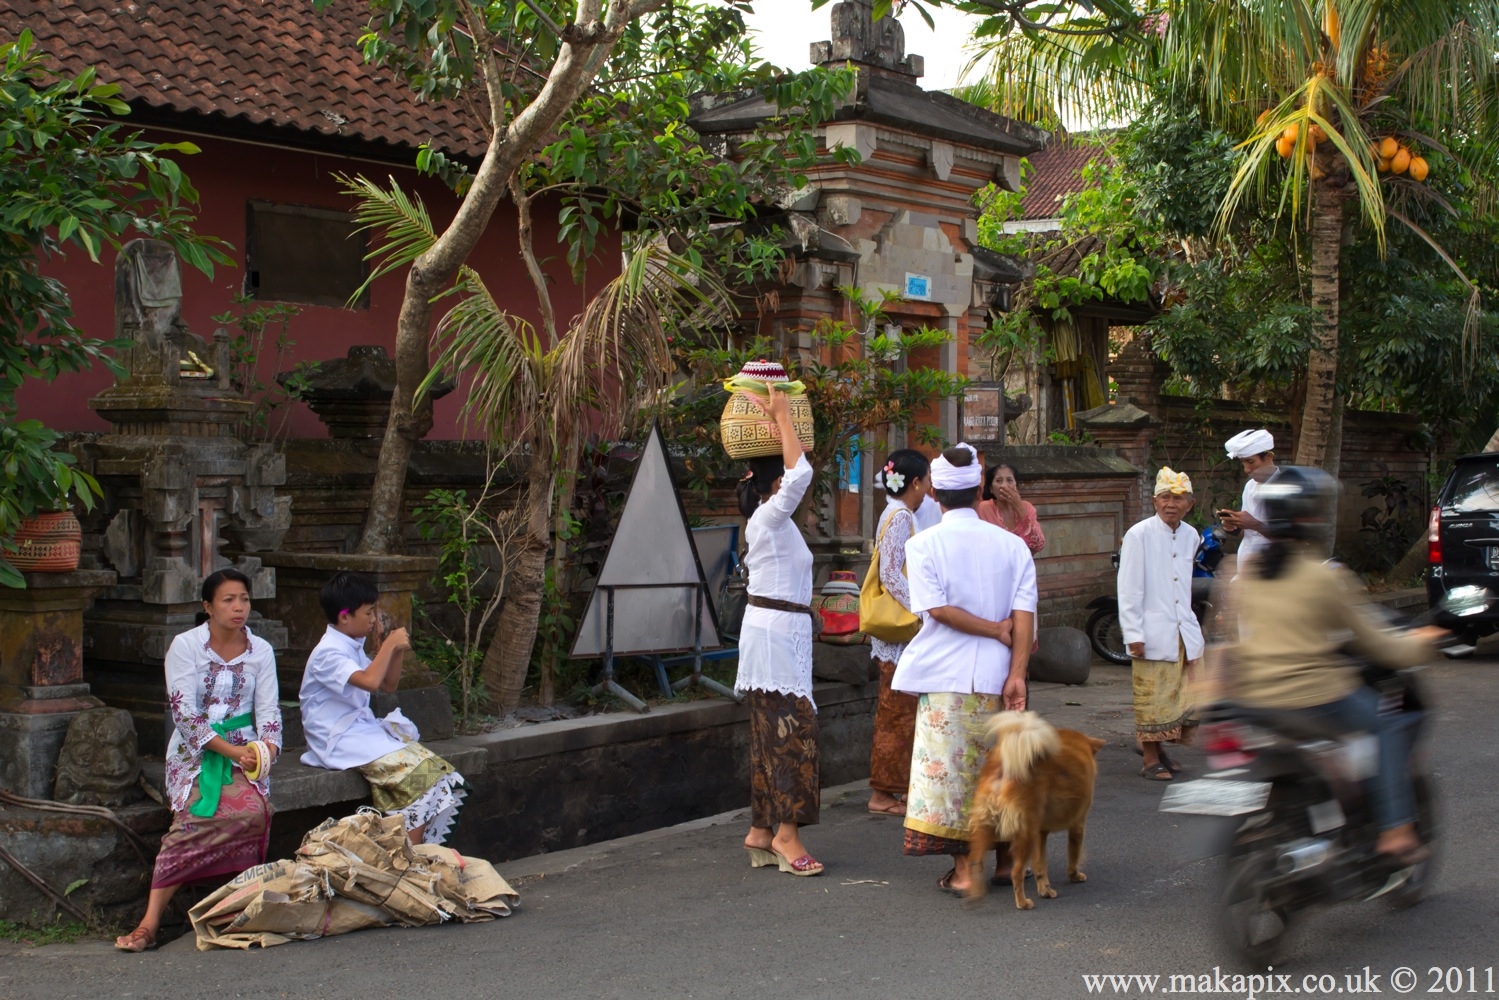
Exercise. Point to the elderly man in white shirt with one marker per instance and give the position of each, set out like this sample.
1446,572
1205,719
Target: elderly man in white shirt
1256,451
974,586
1155,614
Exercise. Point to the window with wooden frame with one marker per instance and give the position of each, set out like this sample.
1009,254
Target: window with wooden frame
294,253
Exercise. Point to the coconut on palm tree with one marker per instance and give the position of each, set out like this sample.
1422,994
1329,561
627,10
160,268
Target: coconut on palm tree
1334,102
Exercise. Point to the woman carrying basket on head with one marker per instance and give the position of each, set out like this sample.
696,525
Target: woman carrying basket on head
775,655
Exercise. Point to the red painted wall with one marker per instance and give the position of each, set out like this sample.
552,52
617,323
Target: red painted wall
227,174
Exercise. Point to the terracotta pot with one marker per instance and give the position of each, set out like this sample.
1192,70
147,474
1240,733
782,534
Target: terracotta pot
47,543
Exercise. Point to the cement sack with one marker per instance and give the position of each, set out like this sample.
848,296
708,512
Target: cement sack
349,874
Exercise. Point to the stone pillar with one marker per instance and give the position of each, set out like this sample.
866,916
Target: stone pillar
41,673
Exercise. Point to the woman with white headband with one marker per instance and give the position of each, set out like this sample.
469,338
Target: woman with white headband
974,586
775,655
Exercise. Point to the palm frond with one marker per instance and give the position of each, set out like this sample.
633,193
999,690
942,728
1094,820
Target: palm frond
503,359
617,355
400,219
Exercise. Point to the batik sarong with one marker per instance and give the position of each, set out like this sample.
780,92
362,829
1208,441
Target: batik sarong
951,743
420,786
894,731
217,847
785,785
1163,711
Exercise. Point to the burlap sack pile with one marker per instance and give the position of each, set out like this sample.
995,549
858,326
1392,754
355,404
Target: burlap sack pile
349,874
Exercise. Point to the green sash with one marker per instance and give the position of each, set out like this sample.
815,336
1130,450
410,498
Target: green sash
217,770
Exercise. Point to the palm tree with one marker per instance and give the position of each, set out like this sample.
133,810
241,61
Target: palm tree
1313,87
537,398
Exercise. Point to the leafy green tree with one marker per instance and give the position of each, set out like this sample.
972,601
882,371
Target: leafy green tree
71,180
1315,81
606,134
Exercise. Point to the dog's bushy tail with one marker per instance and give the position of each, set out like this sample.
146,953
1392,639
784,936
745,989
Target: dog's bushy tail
1022,738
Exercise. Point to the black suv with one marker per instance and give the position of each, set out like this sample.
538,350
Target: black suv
1463,537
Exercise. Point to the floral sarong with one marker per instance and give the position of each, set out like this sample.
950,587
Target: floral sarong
950,746
420,786
785,786
204,849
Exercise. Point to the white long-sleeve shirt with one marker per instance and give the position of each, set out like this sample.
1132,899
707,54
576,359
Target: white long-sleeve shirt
1253,542
965,563
1155,589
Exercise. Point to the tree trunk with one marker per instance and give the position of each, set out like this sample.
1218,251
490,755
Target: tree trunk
1322,364
509,654
585,47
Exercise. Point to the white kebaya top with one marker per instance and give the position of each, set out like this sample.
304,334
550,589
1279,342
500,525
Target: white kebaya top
980,568
775,647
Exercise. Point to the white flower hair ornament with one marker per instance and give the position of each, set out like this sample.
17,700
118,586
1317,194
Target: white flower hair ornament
895,482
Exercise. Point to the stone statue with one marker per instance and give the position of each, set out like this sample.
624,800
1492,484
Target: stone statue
148,311
99,764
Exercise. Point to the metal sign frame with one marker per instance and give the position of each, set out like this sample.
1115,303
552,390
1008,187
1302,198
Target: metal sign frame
606,596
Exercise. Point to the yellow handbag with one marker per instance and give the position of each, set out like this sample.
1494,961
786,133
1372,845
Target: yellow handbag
880,614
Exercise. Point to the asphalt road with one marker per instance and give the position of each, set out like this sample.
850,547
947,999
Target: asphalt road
679,913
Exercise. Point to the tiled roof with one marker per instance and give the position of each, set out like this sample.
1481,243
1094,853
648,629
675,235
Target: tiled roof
1056,172
259,63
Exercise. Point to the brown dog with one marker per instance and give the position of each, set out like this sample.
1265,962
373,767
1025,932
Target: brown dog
1037,780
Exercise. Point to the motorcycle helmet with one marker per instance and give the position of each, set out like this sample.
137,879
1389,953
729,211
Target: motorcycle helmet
1299,503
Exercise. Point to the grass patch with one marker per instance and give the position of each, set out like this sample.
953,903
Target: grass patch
58,933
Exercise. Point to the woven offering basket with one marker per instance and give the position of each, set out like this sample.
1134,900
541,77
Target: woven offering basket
748,433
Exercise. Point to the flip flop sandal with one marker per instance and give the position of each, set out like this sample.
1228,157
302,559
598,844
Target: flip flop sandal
893,809
945,884
1171,765
1156,772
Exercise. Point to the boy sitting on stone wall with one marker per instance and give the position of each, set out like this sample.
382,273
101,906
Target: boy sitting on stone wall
343,732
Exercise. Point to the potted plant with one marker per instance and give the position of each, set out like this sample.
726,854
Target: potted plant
38,532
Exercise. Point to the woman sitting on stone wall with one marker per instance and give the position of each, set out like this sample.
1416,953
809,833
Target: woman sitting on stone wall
222,695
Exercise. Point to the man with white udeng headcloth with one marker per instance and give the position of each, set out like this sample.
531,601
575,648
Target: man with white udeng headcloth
1256,451
1155,615
974,586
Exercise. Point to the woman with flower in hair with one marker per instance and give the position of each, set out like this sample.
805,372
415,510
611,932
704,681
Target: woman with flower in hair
905,479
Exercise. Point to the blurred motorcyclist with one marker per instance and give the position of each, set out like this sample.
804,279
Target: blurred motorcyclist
1294,614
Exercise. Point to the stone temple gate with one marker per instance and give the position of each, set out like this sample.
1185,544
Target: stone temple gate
902,219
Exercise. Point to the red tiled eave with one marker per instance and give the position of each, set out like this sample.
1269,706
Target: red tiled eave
246,65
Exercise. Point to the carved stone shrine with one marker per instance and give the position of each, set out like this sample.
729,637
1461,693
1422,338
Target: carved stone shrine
184,496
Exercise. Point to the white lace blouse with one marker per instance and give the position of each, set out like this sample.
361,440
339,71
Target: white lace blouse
897,524
775,647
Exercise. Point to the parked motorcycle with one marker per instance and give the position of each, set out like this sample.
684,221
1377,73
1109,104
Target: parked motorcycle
1104,633
1300,829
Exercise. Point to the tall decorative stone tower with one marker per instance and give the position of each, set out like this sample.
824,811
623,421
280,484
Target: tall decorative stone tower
183,494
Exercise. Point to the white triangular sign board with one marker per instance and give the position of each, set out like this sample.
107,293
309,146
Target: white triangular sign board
654,566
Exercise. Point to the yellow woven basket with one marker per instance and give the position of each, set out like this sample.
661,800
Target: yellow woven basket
748,433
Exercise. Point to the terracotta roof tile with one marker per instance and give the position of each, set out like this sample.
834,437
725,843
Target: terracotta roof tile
255,61
1056,172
